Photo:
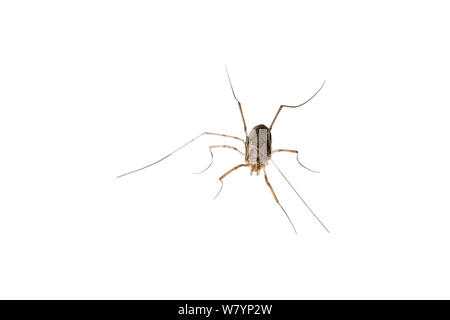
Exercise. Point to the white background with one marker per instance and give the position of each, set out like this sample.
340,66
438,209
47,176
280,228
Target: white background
92,89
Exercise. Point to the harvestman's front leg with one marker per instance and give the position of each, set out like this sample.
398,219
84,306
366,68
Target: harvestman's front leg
227,173
276,199
295,151
212,155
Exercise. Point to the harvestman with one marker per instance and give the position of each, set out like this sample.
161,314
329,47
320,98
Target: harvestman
258,152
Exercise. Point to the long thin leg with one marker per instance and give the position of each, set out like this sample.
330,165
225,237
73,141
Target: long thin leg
276,199
300,196
294,151
212,155
239,103
184,145
227,173
284,106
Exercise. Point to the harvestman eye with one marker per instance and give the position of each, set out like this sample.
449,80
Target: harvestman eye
258,152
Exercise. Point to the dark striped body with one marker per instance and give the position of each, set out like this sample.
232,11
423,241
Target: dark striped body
258,148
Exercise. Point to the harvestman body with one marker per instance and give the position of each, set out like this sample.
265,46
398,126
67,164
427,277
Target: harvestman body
258,152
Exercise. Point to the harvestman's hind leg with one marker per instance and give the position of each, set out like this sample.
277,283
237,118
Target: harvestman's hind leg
212,155
184,145
301,104
227,173
239,103
294,151
276,199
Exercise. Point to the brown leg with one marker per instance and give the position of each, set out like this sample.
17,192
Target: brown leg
304,202
294,151
223,135
239,103
285,106
276,199
227,173
184,145
212,155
